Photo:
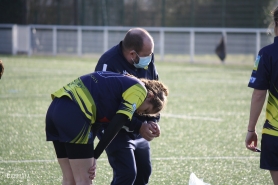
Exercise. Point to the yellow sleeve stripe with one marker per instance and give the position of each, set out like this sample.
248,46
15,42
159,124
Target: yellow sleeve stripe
133,97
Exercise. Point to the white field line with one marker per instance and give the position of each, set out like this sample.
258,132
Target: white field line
192,117
153,159
27,115
164,115
17,94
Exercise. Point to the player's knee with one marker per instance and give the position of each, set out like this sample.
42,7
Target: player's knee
68,182
84,182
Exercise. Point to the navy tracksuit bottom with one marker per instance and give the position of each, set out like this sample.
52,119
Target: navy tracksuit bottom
130,159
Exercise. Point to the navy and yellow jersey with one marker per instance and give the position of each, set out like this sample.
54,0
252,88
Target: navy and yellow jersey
114,60
100,95
265,77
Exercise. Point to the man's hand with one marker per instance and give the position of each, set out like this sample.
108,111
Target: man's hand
149,130
155,128
92,170
1,68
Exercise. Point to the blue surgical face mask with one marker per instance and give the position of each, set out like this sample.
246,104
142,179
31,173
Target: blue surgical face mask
143,61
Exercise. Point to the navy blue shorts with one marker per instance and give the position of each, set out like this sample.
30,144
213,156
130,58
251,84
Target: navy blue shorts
269,152
69,129
65,122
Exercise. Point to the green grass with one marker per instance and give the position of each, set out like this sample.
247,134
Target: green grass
203,126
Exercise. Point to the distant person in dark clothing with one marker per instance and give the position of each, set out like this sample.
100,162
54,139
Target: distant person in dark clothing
1,68
220,49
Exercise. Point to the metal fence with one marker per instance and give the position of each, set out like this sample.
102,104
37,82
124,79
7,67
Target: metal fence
182,44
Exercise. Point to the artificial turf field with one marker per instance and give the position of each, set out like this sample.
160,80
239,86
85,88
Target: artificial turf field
203,126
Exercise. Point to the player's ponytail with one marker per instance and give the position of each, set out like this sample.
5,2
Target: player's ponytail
274,23
275,14
159,92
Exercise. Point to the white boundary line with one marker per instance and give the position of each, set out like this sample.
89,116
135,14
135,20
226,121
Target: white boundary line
164,115
27,115
206,158
192,117
153,159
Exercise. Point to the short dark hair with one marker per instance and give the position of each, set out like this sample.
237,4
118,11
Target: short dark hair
134,39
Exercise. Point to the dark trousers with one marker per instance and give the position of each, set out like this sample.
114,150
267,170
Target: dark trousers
130,160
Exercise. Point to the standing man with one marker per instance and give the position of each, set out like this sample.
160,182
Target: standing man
129,152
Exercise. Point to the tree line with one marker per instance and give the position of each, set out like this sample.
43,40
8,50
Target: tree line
159,13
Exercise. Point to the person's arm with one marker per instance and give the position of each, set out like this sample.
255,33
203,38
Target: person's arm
149,129
110,132
257,102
